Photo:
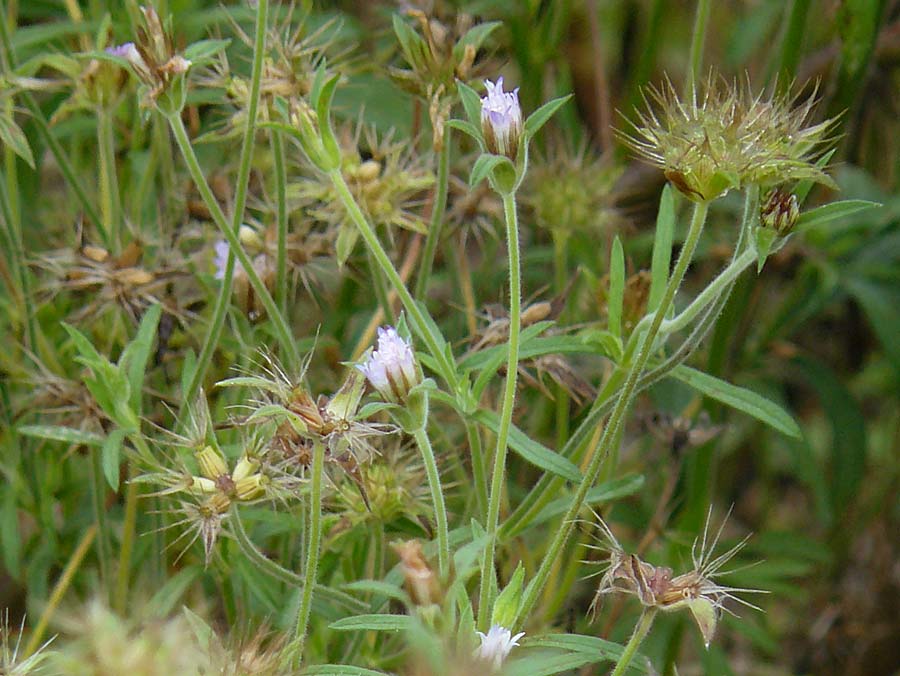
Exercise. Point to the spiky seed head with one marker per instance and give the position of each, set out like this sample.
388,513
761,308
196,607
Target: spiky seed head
724,137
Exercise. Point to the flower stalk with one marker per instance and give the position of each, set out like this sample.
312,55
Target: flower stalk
617,415
436,223
640,633
509,397
437,498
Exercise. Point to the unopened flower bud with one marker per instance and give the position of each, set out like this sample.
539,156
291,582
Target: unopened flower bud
201,486
212,464
249,487
392,369
250,238
421,580
780,211
501,119
244,468
128,52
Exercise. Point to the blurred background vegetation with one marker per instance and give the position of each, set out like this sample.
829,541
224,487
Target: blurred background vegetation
818,331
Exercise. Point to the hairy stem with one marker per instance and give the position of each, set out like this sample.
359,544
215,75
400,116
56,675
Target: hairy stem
617,416
509,397
437,498
110,207
640,633
698,39
438,209
281,220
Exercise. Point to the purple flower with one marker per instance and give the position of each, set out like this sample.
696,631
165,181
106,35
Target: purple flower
391,369
128,52
501,119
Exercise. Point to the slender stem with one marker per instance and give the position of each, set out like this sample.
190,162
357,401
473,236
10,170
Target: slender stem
312,555
60,589
640,633
719,285
234,244
698,39
479,474
128,530
18,264
618,413
560,268
418,321
98,493
110,207
230,232
438,208
437,498
257,558
281,219
509,398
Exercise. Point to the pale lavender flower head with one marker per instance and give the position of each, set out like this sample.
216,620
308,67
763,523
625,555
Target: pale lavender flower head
221,259
128,52
496,645
501,119
391,369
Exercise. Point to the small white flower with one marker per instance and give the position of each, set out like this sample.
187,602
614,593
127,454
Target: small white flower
501,119
221,259
496,645
391,369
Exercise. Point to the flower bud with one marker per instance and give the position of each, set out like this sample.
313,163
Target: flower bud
780,212
392,369
212,464
421,580
249,487
501,119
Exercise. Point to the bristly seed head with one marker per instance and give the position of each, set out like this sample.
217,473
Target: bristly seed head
725,137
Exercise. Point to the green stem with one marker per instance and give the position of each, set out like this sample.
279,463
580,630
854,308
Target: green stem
509,397
110,208
18,265
120,599
312,555
560,268
438,208
617,416
698,39
437,498
417,317
640,633
719,285
479,474
281,220
230,232
98,492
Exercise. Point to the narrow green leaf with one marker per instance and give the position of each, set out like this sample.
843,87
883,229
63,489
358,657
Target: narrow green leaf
11,135
740,398
68,435
164,599
340,670
378,588
539,117
411,43
137,353
471,102
467,128
829,212
530,450
484,165
616,295
201,52
372,623
110,453
475,36
10,537
662,248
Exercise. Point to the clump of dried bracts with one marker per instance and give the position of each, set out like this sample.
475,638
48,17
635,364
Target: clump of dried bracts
659,588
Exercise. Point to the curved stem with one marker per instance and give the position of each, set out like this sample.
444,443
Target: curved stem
509,398
417,317
617,416
120,599
437,497
230,232
640,633
312,555
438,208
